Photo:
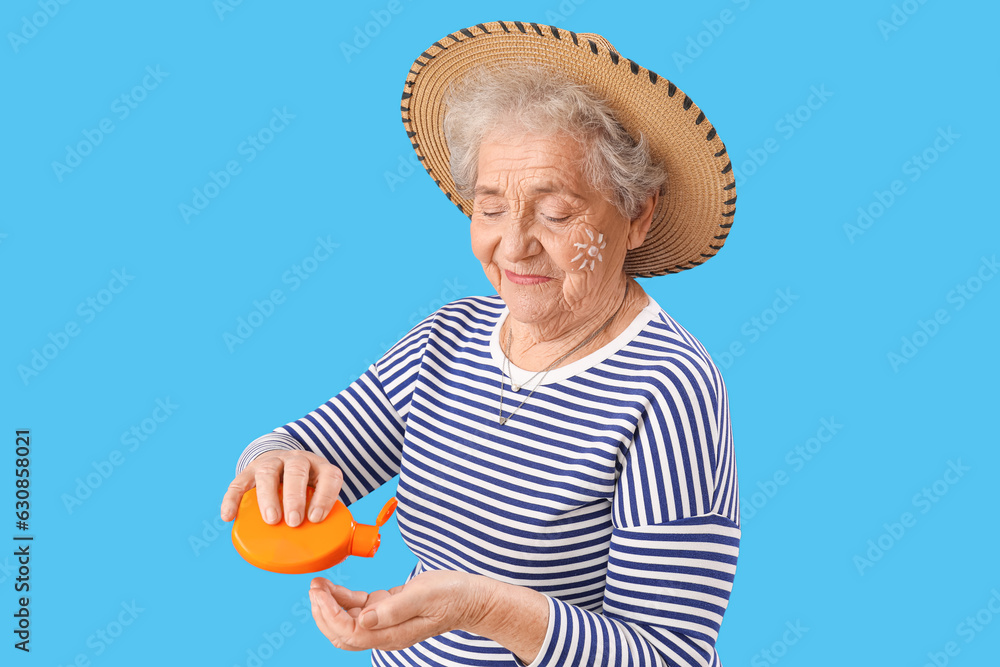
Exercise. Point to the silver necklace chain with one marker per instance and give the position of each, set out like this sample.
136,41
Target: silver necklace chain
510,336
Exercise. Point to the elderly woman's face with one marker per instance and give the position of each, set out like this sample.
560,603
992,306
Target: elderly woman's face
549,243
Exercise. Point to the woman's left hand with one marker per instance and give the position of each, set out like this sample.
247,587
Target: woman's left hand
430,604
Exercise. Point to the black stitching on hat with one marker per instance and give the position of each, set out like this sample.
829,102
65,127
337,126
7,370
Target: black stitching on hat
615,58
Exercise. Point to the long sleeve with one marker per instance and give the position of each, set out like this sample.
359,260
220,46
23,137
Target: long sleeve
360,430
675,536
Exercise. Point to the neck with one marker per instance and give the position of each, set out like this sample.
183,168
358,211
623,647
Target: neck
536,347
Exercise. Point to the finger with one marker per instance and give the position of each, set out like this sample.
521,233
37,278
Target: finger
376,597
335,625
345,597
266,475
295,477
329,480
393,610
320,619
234,494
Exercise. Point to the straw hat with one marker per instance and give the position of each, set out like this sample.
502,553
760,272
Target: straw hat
691,221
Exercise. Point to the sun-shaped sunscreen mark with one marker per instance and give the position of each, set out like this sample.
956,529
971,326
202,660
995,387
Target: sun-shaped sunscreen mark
588,251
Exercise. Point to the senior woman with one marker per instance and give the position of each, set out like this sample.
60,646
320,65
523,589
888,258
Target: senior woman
566,470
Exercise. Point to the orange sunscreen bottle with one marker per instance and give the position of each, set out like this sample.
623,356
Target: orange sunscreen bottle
308,547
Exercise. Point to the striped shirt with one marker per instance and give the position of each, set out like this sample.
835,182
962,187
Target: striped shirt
612,490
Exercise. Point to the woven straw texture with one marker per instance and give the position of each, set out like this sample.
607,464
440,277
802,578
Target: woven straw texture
694,217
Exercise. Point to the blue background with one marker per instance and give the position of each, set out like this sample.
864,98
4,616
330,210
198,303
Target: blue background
342,170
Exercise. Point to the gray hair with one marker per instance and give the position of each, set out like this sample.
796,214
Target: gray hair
536,100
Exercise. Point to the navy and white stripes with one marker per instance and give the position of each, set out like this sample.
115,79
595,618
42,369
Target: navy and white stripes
612,489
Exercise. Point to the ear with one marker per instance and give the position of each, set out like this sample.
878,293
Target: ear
638,227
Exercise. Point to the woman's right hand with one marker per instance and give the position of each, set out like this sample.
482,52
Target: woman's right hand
295,470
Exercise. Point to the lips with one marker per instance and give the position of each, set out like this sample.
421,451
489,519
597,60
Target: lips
525,279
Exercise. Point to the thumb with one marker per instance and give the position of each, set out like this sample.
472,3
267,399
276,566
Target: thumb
392,611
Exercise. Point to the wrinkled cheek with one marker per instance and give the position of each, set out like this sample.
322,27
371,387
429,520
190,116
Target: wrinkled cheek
483,247
584,257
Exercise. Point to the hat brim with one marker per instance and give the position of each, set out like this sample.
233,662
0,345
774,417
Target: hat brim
693,218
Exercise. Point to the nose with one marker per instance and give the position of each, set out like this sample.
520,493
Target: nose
519,240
